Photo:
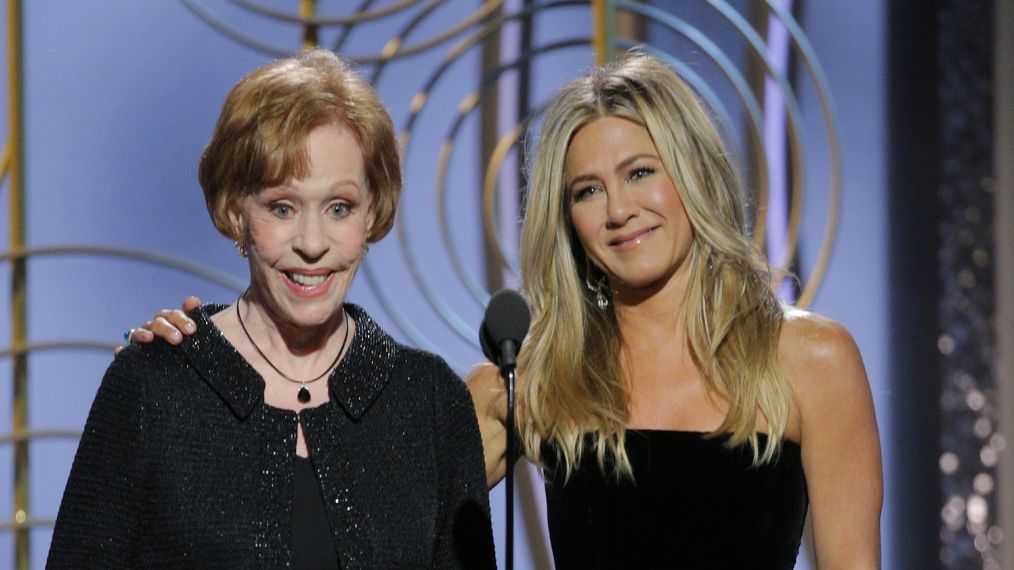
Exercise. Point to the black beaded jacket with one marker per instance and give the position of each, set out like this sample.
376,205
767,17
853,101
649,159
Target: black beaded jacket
183,465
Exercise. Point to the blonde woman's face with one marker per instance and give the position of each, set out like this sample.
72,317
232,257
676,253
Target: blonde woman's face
624,207
306,237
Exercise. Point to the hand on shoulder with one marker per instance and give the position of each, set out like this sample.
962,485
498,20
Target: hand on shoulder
167,324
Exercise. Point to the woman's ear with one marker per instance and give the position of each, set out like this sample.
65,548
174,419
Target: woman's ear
371,218
237,223
371,215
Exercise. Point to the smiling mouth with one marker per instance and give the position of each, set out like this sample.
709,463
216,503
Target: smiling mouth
632,239
307,280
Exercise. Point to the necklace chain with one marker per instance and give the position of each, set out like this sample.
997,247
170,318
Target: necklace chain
304,393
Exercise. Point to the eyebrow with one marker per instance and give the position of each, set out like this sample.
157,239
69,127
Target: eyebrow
623,164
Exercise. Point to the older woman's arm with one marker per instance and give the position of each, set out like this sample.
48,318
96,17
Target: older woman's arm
99,520
464,535
839,439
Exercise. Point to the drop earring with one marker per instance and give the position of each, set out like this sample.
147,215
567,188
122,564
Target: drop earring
241,249
597,288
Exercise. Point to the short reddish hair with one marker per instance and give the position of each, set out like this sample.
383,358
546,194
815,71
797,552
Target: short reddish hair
260,137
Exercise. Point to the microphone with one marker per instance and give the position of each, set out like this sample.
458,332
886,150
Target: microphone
503,329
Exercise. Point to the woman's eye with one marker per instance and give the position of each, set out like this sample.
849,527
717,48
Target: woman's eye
585,192
340,209
639,173
281,210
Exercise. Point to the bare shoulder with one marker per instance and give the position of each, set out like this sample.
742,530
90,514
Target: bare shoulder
823,365
813,347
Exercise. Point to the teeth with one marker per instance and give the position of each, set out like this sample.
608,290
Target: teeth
307,280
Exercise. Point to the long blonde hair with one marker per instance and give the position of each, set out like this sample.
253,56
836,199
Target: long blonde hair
573,381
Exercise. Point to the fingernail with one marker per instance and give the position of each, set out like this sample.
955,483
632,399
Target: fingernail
176,336
189,327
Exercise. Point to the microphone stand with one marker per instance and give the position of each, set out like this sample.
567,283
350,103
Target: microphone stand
508,376
502,331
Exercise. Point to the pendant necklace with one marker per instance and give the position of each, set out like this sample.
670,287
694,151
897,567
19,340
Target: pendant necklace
304,393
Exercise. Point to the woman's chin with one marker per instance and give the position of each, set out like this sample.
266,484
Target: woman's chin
314,316
301,312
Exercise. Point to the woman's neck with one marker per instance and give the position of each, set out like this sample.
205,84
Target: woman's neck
287,342
653,315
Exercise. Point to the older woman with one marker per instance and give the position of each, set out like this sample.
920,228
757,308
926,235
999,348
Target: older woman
684,417
290,430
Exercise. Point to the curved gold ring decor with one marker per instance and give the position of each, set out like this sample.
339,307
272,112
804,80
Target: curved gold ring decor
489,224
461,328
796,148
26,524
394,49
17,437
184,265
809,59
749,103
356,18
29,348
5,162
792,107
492,168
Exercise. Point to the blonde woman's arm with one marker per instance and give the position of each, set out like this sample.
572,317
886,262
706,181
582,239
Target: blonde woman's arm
490,400
839,439
167,324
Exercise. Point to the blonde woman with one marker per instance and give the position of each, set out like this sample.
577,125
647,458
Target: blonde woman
683,416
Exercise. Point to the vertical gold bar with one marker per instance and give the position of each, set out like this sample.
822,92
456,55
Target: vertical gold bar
605,30
19,305
308,9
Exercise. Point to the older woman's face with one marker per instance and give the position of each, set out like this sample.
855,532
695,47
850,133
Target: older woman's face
306,237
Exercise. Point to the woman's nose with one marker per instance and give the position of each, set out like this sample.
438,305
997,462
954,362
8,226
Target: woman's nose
619,206
311,242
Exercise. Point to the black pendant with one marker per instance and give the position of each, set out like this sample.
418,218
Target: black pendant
304,394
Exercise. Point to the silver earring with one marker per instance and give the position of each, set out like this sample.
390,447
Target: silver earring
600,297
241,249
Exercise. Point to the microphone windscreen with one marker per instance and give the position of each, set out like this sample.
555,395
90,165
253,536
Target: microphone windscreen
507,317
489,348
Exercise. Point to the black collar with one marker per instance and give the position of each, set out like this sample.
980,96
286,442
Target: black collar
355,383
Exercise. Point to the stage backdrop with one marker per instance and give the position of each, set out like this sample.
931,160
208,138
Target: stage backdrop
119,98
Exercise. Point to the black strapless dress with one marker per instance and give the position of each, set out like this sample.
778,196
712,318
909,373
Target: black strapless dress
692,504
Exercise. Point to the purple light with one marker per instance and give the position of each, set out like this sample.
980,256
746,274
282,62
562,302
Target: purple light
774,140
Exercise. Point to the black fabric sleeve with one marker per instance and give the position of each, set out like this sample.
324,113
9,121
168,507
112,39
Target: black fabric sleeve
99,520
464,534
